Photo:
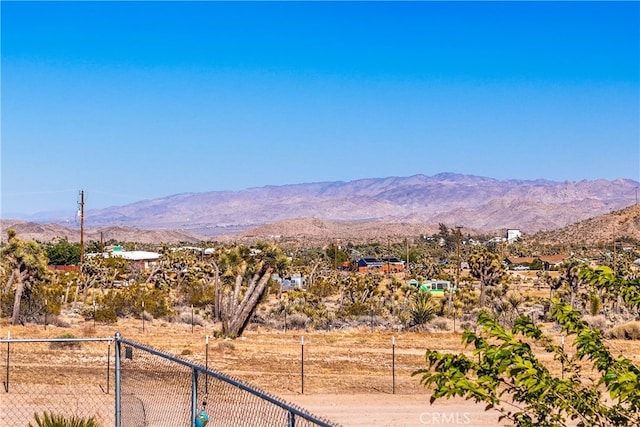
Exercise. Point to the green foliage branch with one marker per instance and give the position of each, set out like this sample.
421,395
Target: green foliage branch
506,374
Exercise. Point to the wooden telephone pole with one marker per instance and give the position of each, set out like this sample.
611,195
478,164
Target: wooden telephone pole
458,236
458,262
81,211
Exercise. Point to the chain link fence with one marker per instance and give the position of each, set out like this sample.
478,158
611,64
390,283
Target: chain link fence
123,383
67,376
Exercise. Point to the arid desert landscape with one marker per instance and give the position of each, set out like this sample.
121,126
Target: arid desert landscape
348,374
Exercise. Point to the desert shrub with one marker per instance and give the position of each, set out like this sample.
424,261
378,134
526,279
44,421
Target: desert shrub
422,309
355,309
186,317
468,297
306,304
599,322
56,345
116,301
53,420
88,330
324,287
298,321
498,291
226,345
441,324
404,317
128,301
323,322
156,302
186,352
58,321
626,331
105,315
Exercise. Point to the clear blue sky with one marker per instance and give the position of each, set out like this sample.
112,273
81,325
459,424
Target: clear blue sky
131,101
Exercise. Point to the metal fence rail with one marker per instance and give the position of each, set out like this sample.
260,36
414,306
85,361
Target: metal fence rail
135,386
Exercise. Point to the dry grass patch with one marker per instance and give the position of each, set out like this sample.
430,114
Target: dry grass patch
626,331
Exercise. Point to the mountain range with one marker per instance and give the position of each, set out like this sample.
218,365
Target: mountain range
478,203
472,201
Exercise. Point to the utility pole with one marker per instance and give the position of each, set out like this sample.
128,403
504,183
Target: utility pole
388,256
406,242
614,255
458,235
81,210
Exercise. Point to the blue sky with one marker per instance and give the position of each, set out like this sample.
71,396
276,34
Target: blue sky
138,100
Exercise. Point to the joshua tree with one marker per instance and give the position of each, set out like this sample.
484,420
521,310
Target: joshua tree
570,276
487,267
245,273
26,266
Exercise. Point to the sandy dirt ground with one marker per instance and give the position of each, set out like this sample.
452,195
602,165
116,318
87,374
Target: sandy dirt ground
395,410
354,377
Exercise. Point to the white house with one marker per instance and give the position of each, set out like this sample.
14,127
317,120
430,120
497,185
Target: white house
141,259
513,235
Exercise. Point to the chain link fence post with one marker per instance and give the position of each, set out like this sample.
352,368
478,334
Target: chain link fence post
118,384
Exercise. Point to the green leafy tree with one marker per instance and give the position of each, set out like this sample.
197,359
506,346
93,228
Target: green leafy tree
337,255
488,268
595,388
63,252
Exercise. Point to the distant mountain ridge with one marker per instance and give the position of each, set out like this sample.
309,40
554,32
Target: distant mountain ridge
472,201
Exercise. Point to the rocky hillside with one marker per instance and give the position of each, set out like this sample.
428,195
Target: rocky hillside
624,223
317,232
49,232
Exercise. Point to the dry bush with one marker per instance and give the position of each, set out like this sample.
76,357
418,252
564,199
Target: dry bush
441,324
88,330
599,322
57,321
186,317
226,345
56,345
298,321
626,331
